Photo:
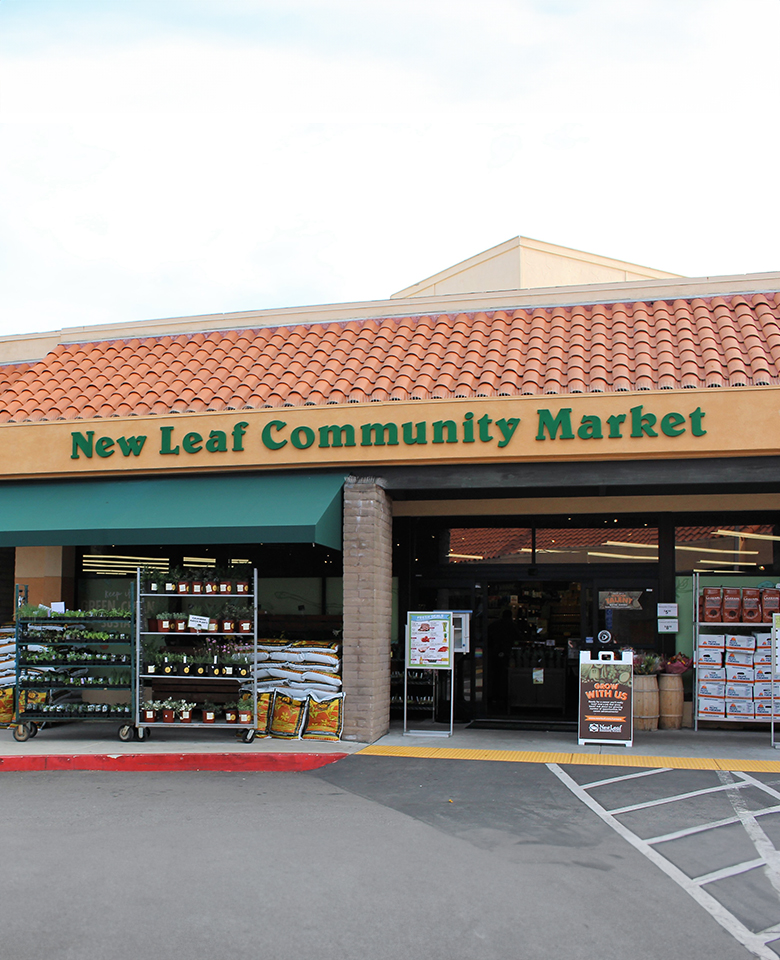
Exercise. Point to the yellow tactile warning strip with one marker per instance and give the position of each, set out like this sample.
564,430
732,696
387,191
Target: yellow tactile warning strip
590,759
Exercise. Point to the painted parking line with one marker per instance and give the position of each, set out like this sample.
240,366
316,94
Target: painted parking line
768,857
568,758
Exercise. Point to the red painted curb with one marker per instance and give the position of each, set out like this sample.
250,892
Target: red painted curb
156,762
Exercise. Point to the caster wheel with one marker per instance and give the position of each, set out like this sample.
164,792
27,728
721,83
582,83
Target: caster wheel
249,736
126,732
33,729
142,733
22,732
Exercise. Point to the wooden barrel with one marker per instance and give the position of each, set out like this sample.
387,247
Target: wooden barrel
670,700
645,702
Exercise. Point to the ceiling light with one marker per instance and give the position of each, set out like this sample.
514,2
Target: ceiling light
466,556
715,550
626,543
621,556
734,563
747,536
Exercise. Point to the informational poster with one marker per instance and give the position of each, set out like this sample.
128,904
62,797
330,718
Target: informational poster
429,640
620,599
606,706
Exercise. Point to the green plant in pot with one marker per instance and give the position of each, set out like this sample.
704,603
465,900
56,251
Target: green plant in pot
231,712
184,710
244,707
209,712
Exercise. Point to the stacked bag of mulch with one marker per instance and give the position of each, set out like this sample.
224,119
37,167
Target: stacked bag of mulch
299,690
7,675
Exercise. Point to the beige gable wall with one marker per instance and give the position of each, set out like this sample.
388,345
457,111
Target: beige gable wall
522,263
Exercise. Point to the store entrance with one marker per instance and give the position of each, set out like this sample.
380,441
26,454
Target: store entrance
525,641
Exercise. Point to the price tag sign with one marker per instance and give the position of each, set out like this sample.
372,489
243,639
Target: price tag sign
197,623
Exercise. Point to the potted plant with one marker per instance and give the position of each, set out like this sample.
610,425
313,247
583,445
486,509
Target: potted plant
164,622
646,704
244,708
209,712
211,586
243,620
242,586
225,584
179,621
149,711
184,710
169,710
231,713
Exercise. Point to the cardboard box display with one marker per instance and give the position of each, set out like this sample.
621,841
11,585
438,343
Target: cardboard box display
762,673
740,708
763,641
712,688
740,675
762,691
742,642
763,708
762,656
739,691
711,673
738,658
712,641
712,707
709,658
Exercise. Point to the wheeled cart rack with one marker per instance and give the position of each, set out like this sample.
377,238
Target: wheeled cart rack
196,652
77,666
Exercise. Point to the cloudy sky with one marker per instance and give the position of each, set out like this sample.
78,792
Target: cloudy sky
171,157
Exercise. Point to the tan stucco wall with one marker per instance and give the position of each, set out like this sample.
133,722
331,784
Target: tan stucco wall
48,573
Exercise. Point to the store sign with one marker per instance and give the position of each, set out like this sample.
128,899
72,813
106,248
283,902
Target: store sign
620,599
468,430
429,640
606,706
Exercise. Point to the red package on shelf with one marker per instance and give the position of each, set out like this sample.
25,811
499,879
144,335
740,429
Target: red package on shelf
712,605
770,603
751,605
732,605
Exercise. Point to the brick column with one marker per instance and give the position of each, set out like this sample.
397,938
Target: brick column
368,561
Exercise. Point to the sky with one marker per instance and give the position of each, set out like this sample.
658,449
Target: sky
165,158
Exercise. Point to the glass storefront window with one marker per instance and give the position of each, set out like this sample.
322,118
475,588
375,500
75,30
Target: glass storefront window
474,545
597,546
745,548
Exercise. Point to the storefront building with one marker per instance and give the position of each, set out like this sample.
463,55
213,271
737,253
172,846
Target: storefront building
555,461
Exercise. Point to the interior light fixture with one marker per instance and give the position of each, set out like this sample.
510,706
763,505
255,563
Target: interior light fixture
466,556
621,556
747,536
715,550
627,543
733,563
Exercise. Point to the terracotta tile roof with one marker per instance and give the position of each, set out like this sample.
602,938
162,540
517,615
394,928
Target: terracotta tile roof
719,342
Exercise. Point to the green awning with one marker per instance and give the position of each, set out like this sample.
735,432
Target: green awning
237,508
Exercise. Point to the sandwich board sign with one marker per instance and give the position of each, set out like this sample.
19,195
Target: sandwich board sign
606,703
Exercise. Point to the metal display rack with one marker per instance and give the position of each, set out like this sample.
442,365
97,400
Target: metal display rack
65,658
202,675
726,626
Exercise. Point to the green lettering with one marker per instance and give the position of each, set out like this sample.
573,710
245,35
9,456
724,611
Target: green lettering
130,445
642,423
672,425
165,446
507,428
380,430
418,436
80,442
103,447
192,442
551,425
438,431
468,428
484,433
302,437
696,418
590,428
238,436
217,442
268,440
614,426
341,436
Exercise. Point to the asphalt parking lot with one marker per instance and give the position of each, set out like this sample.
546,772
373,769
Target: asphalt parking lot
384,858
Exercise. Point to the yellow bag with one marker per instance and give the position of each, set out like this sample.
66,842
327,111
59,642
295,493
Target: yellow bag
287,716
324,718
